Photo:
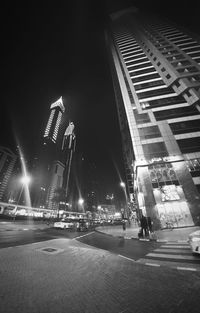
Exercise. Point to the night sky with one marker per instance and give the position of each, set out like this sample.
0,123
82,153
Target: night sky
58,49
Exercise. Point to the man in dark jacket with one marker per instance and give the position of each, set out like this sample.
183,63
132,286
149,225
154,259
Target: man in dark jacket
144,225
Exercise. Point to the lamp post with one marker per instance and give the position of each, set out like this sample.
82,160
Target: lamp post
122,184
25,180
81,203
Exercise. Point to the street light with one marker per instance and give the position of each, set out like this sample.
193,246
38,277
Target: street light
122,184
25,180
81,202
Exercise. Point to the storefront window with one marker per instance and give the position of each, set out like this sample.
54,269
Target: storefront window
162,174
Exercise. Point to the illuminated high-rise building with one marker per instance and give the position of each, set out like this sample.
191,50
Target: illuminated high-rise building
56,111
155,67
8,161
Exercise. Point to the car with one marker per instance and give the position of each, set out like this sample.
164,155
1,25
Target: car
64,224
82,225
194,241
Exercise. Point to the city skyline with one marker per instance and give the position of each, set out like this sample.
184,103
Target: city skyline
44,61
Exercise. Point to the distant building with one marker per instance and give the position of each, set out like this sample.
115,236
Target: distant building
8,160
55,182
106,211
155,67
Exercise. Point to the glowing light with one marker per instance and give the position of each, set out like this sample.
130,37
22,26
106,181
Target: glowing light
80,201
122,184
25,180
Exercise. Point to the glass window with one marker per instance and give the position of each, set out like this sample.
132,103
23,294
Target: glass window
141,118
185,127
149,84
145,77
162,174
155,150
149,132
156,92
189,145
163,102
173,113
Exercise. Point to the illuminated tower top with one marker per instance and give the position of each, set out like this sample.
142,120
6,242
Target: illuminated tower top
56,111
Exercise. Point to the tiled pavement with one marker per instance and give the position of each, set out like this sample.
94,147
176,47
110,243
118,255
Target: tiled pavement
65,275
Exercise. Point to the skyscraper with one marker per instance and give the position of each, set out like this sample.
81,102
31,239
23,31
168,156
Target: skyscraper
8,160
155,67
58,148
56,111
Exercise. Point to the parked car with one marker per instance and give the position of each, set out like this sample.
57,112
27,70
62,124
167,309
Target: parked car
82,225
64,224
194,241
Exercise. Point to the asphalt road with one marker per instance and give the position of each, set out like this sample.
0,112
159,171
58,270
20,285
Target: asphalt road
175,255
19,234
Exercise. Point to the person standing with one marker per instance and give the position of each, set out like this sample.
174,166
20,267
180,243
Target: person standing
149,222
124,224
144,225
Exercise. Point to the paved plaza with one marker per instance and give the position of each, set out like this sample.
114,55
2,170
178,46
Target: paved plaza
64,275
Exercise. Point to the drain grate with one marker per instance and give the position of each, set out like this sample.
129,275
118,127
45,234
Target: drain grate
50,250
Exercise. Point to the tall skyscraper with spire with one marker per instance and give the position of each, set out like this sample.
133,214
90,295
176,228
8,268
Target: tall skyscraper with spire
155,67
59,145
53,125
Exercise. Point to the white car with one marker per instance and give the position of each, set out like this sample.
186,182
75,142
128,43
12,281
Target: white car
194,241
64,224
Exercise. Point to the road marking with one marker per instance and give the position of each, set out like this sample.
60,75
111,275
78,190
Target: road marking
177,244
83,235
184,250
153,264
124,257
186,268
171,264
177,247
171,256
161,240
25,228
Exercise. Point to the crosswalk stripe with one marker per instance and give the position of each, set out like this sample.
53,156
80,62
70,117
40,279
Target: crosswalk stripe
173,251
172,256
186,268
177,247
177,242
171,264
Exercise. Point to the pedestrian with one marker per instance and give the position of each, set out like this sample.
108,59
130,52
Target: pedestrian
144,225
124,224
149,222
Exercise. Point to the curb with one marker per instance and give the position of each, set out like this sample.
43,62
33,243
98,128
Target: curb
142,239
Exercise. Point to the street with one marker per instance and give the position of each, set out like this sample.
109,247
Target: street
50,270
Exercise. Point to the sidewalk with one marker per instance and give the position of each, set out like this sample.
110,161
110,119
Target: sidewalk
131,232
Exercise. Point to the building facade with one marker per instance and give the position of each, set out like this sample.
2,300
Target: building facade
155,67
8,160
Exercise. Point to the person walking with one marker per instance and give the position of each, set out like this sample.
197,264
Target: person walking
124,224
144,226
149,222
